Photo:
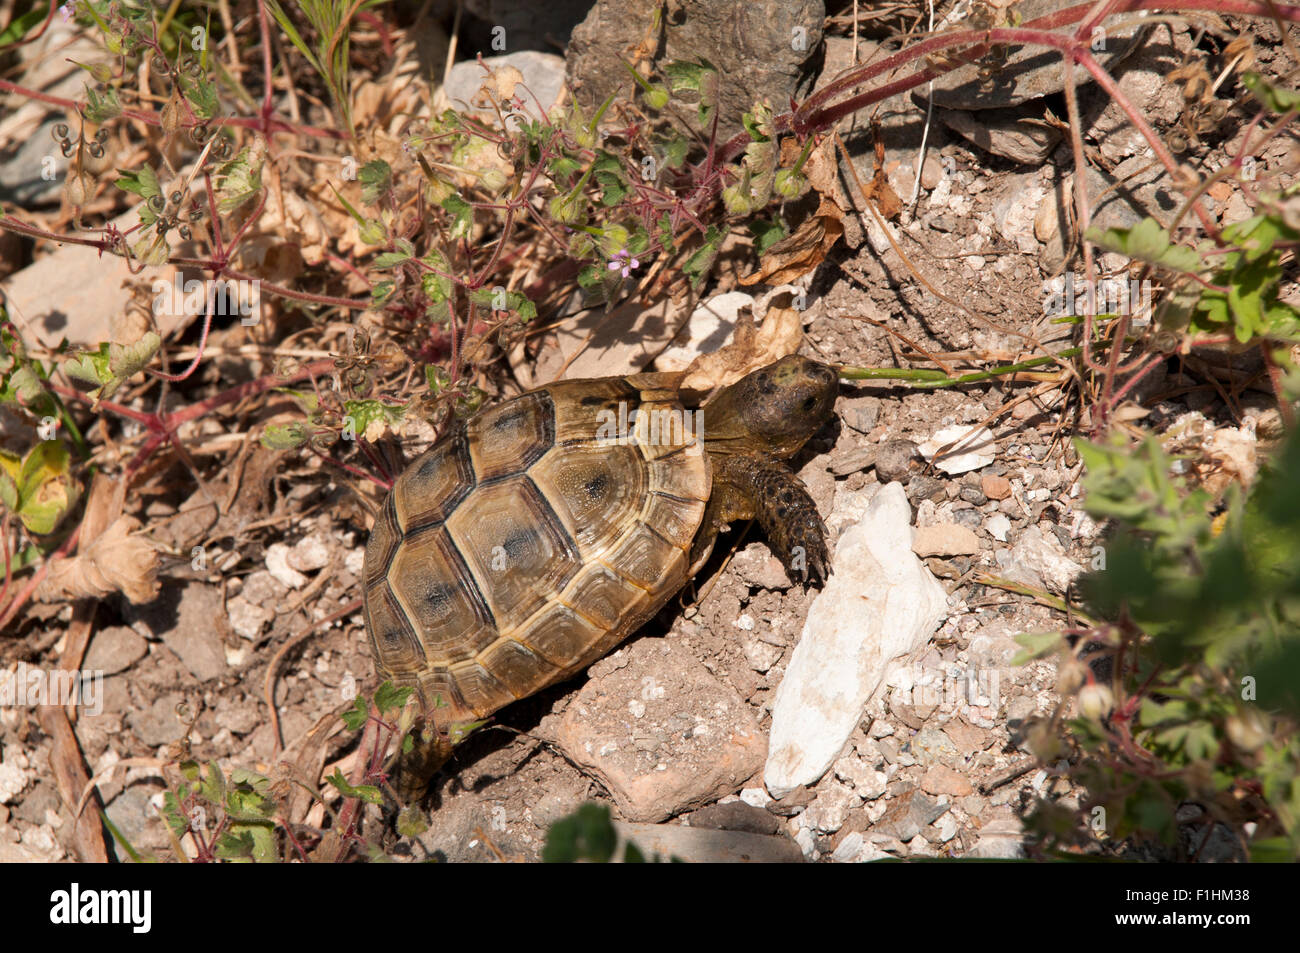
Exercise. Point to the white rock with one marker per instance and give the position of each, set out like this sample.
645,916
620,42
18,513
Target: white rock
761,655
710,326
830,809
970,453
880,604
755,797
277,564
1037,559
12,781
849,849
542,75
311,553
998,526
245,618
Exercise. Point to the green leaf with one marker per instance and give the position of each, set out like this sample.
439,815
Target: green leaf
1037,644
240,179
39,488
462,215
20,26
366,792
143,183
587,834
698,265
285,436
372,418
701,77
411,822
102,104
391,699
1275,99
356,716
376,178
201,94
1147,241
515,301
390,259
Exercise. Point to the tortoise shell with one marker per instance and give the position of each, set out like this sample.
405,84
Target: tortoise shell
531,540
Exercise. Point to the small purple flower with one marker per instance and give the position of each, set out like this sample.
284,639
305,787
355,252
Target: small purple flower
66,12
622,261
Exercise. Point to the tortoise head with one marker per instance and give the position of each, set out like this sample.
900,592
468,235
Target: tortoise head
773,410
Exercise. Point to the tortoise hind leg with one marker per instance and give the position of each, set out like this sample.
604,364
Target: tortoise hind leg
410,772
749,486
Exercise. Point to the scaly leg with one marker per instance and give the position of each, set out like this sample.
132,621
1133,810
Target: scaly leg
749,486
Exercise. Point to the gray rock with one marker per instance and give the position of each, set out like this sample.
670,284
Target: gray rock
758,568
114,650
133,815
851,460
908,814
860,413
543,76
897,461
704,846
197,635
760,48
660,732
879,605
158,724
1027,72
1037,559
932,746
736,816
1004,132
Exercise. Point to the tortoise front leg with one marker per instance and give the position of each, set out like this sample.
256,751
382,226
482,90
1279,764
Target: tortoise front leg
410,772
749,486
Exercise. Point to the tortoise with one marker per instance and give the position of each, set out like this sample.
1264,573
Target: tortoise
533,538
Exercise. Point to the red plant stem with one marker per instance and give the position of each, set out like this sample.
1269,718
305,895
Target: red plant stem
37,577
265,28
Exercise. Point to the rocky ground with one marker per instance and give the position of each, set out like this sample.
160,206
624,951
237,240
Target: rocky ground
673,728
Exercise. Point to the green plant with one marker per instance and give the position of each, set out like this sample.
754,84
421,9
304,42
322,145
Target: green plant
1203,633
589,835
328,55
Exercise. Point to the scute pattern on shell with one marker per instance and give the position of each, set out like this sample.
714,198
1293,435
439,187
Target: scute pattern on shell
522,547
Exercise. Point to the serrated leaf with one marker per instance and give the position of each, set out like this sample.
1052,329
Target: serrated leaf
143,183
1147,241
284,436
411,822
390,259
356,716
240,179
389,698
101,106
376,178
462,215
371,419
366,792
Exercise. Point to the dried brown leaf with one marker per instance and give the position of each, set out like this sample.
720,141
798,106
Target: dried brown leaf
779,334
115,562
798,254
